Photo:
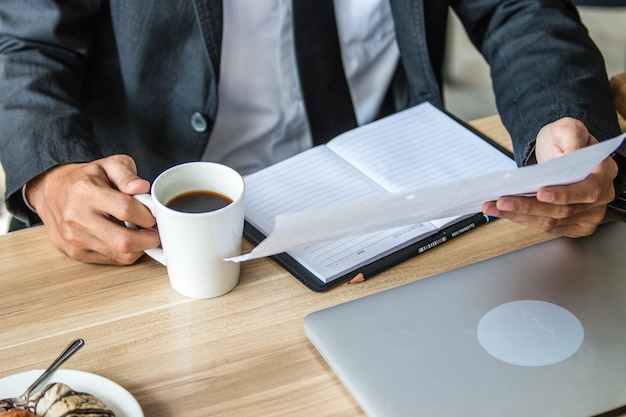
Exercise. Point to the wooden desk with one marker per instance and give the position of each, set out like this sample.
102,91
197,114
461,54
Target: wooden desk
244,353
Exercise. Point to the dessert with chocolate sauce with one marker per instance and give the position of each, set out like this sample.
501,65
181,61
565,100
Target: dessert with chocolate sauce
59,400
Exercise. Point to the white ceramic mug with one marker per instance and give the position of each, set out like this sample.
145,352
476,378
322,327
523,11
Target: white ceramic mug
194,245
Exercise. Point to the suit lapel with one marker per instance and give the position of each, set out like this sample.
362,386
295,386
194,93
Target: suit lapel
415,22
210,18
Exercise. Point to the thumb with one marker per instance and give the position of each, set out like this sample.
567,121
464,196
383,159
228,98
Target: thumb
122,172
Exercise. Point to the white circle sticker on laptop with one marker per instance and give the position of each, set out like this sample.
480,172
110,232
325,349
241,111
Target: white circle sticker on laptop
530,333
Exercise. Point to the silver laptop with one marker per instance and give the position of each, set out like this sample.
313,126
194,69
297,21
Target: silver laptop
536,332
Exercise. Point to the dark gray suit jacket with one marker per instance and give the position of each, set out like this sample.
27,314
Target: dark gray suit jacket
84,79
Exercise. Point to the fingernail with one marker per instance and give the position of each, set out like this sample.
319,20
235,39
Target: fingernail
492,211
136,181
546,196
506,205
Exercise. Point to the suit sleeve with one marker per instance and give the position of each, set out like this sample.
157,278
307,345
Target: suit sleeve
44,47
543,65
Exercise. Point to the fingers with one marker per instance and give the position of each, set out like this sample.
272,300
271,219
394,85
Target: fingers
122,173
121,206
574,220
119,174
120,247
77,202
573,210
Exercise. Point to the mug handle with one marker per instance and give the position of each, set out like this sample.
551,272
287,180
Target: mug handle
155,253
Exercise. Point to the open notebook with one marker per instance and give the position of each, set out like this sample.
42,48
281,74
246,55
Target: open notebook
417,148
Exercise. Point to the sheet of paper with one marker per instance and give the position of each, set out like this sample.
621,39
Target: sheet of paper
303,228
393,154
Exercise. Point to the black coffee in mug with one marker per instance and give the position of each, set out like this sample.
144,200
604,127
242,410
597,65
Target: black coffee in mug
200,201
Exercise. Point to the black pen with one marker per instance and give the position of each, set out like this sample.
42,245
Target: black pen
444,235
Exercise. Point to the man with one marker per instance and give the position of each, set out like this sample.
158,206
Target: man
98,96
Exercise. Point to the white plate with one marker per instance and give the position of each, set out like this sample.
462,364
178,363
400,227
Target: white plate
120,401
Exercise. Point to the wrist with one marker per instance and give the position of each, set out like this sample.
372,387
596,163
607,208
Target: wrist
21,210
26,202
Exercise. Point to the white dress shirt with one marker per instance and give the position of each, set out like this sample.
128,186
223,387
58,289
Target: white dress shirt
261,117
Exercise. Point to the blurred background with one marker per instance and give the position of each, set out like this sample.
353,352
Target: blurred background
467,88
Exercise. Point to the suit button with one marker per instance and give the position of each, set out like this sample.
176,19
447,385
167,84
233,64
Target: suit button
198,122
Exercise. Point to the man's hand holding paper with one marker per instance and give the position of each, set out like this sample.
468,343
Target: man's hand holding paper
572,210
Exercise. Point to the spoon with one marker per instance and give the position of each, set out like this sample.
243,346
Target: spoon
22,400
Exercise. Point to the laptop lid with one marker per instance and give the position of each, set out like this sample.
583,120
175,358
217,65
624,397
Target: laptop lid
536,332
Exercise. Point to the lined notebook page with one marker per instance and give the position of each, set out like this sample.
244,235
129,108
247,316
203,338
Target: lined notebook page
317,178
311,179
329,261
418,148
